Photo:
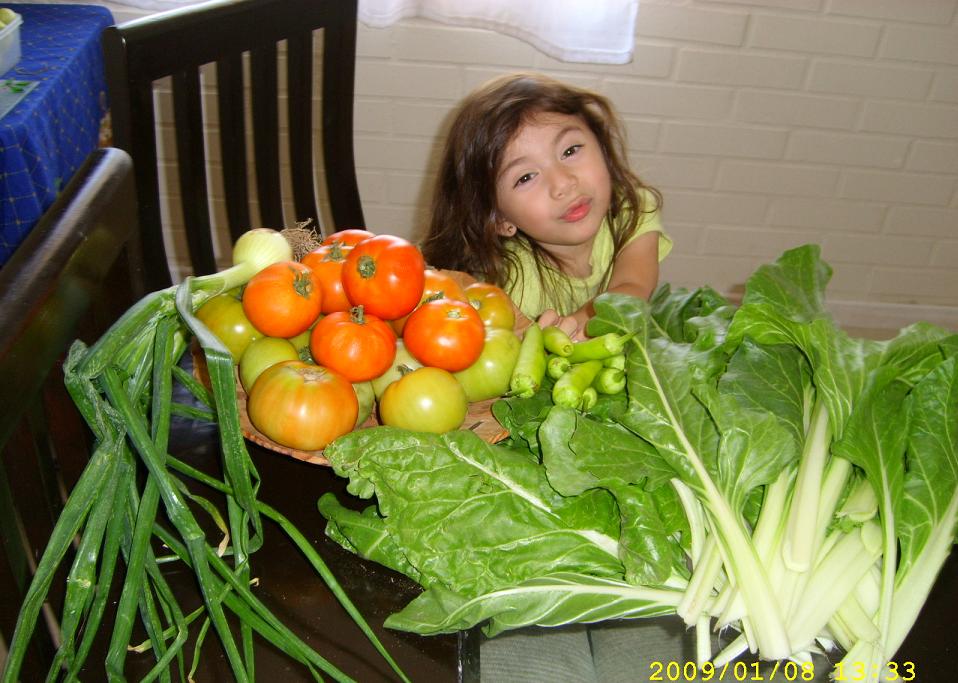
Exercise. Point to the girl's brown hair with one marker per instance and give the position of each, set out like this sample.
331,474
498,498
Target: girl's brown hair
462,233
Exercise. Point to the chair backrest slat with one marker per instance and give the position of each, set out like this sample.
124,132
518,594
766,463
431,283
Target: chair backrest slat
191,161
339,73
232,120
299,86
142,51
265,89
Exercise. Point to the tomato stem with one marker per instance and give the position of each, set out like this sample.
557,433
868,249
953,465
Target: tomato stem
366,266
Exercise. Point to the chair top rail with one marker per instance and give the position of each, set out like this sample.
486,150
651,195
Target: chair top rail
206,32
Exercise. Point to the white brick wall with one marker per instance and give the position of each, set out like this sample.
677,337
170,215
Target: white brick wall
765,123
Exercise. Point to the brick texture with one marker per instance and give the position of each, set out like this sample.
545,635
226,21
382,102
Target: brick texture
765,123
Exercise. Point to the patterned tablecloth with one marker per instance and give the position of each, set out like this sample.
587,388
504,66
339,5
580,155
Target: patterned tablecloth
48,134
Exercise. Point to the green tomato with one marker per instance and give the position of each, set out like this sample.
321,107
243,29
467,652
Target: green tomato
301,342
489,376
424,400
261,354
367,400
224,316
403,357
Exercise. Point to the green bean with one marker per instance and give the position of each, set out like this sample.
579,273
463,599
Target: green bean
557,366
530,365
568,389
556,341
598,348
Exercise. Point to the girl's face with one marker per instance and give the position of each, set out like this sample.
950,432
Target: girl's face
554,185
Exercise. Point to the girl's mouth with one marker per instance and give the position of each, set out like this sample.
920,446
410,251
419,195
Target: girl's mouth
577,211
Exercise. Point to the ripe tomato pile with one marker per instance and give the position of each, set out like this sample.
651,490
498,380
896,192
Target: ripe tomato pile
362,324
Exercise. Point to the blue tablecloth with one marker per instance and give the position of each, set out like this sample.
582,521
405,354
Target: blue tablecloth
47,135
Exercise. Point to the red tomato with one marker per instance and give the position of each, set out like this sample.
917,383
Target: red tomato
348,237
445,334
493,304
327,262
283,299
437,285
302,406
353,343
385,275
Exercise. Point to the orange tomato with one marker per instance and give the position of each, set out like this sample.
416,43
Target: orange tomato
355,344
348,237
492,303
385,275
437,285
446,334
283,299
327,262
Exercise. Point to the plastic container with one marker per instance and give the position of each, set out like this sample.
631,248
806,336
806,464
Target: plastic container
10,45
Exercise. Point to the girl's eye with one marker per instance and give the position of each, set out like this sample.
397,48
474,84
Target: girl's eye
523,179
571,150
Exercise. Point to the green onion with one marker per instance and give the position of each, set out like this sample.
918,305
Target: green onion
122,386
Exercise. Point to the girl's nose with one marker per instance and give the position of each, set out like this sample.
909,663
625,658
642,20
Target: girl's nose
563,182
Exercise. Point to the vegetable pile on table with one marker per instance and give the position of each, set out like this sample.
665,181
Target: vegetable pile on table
762,472
361,324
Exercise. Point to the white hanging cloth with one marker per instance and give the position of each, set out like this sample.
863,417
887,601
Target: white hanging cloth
599,31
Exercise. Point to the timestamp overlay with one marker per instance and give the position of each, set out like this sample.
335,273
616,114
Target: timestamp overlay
779,671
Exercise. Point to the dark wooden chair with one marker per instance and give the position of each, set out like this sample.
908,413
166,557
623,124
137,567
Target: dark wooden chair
177,44
68,279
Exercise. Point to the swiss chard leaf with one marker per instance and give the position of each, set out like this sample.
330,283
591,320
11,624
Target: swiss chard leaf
927,508
551,600
580,454
476,517
365,534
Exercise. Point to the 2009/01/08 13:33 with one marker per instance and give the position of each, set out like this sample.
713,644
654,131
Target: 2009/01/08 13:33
787,671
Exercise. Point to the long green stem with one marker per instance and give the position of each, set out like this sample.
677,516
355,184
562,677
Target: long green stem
178,512
305,547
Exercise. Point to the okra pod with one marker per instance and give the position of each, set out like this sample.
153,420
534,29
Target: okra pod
568,389
556,341
599,348
557,366
609,381
530,365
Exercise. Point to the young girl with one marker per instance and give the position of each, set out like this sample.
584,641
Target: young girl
535,195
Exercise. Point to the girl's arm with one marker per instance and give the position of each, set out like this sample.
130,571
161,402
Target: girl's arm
635,272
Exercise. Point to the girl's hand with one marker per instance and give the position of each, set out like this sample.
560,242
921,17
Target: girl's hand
567,323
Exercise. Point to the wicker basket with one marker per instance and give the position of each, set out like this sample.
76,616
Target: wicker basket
479,419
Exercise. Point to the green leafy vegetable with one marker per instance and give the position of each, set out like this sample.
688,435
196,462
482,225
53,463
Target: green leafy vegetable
762,471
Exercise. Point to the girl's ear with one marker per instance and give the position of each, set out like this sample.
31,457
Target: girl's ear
505,228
